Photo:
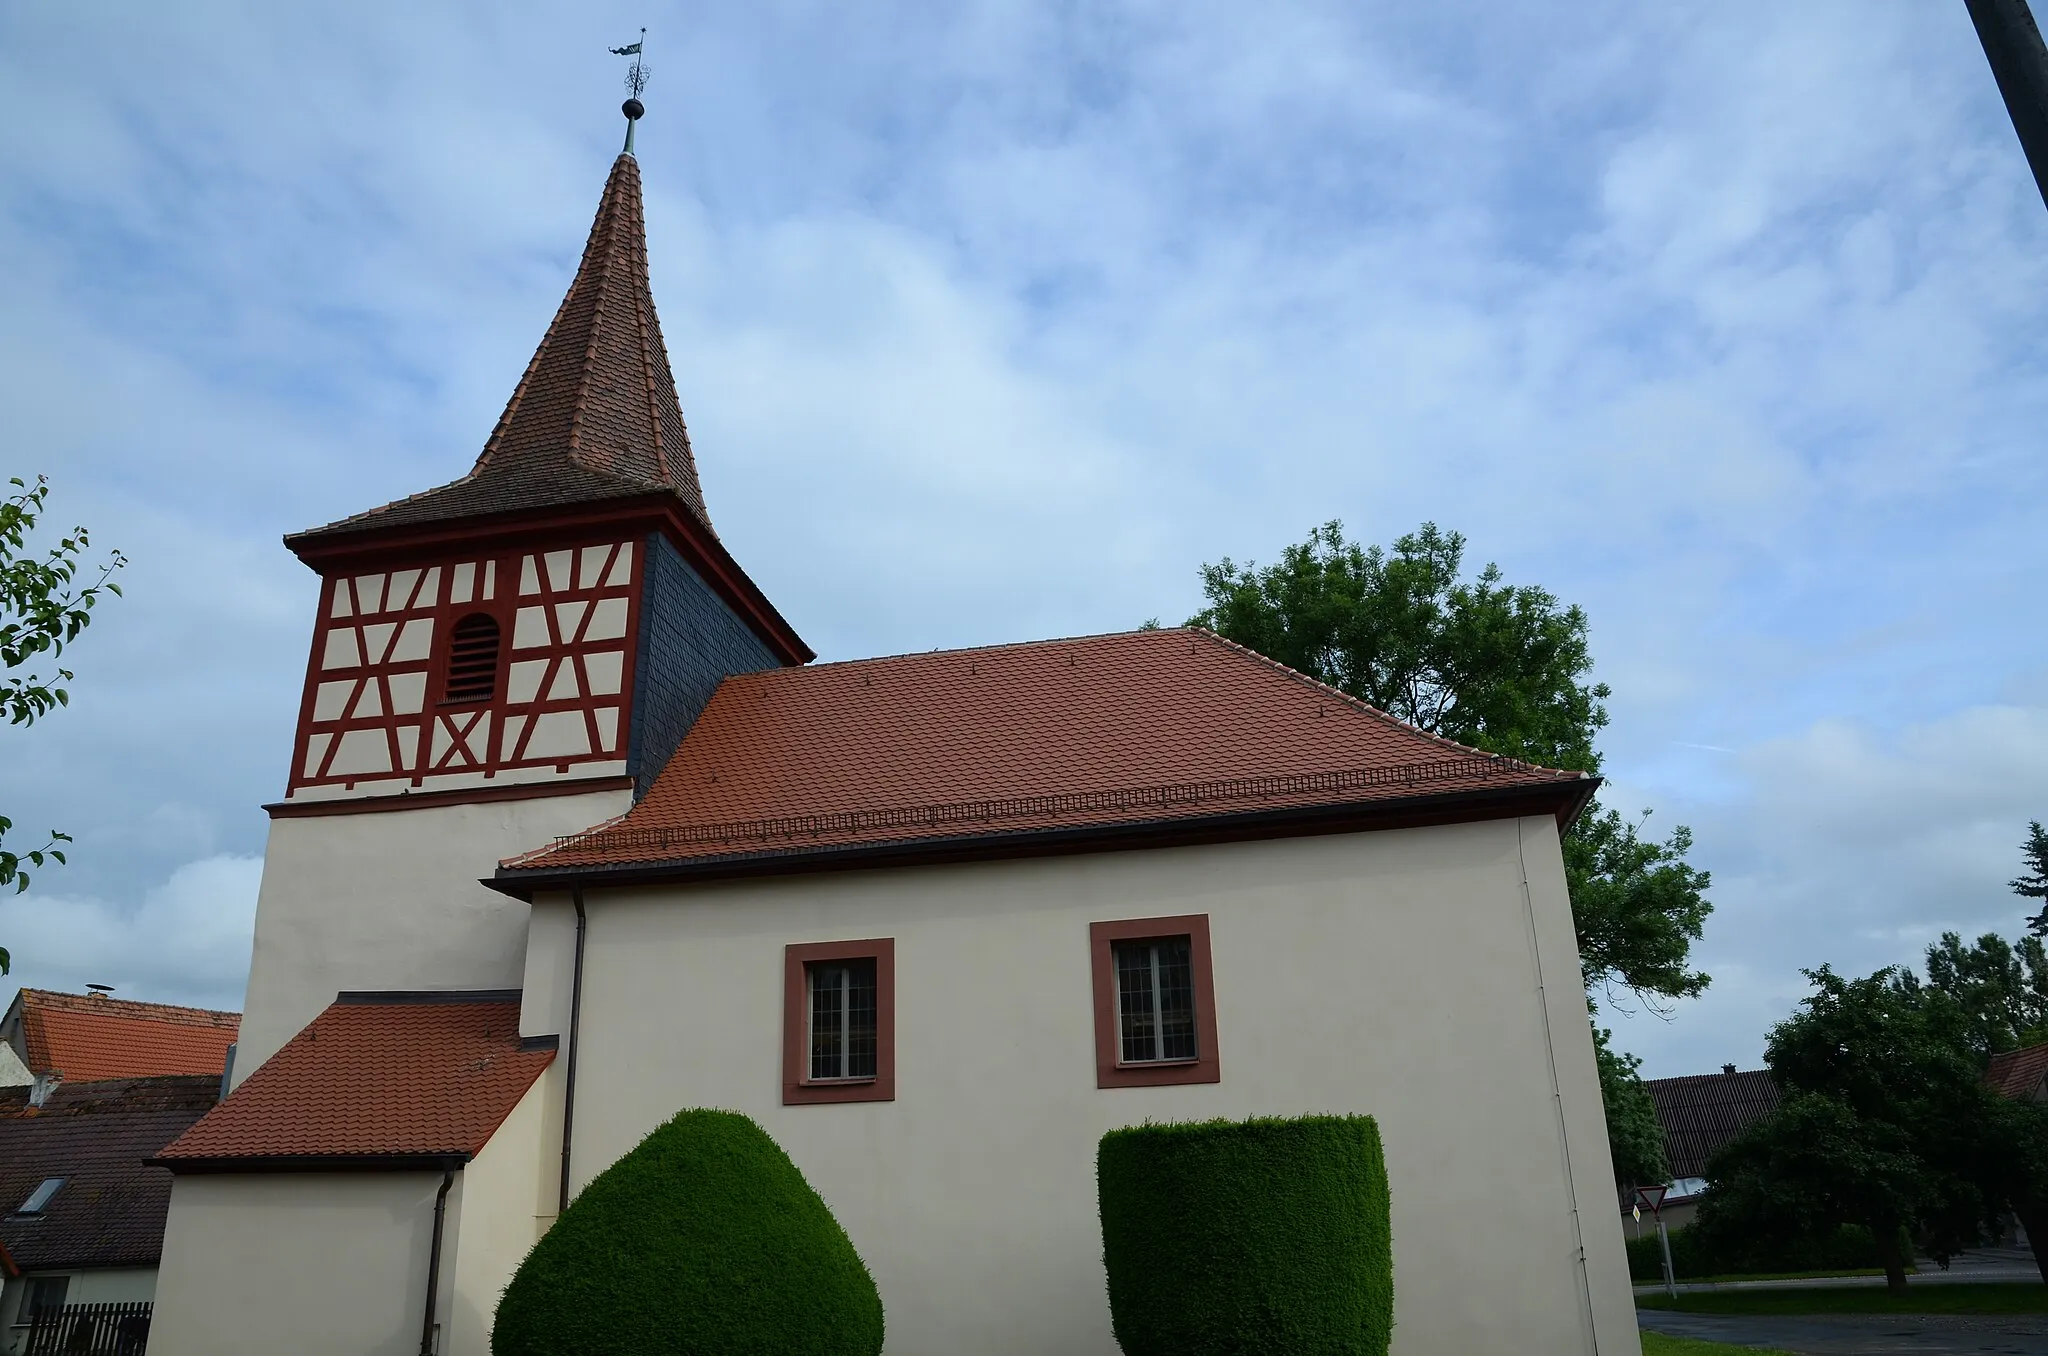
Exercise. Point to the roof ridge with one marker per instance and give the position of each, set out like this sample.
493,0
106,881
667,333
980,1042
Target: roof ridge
941,652
1369,709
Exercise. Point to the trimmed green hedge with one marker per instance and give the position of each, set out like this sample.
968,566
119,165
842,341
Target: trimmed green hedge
703,1241
1695,1254
1226,1238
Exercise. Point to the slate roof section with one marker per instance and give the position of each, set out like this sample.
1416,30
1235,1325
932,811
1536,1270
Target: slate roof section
374,1077
1702,1112
86,1037
110,1211
2018,1073
595,417
1132,728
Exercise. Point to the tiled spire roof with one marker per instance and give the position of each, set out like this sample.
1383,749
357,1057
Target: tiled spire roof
595,416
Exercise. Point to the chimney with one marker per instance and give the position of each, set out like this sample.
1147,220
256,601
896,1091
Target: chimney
1727,1068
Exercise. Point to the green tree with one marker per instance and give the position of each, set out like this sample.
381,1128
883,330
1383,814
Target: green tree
2032,883
43,608
2000,991
1634,1136
1500,667
1886,1124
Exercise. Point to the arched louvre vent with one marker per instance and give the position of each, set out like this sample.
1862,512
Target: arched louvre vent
473,659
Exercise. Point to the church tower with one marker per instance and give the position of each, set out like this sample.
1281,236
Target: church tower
500,660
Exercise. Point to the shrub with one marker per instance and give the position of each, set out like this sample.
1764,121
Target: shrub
1244,1239
1697,1252
705,1240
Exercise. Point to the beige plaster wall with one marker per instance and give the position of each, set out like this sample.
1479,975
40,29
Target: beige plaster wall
391,901
1425,976
508,1198
331,1264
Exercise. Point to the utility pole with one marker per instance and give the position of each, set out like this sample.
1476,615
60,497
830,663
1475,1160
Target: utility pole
2019,61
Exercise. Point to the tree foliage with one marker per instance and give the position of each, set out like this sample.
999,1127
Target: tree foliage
1634,1136
43,608
2000,991
2032,883
1886,1123
1501,667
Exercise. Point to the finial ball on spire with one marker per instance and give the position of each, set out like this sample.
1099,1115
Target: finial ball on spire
633,109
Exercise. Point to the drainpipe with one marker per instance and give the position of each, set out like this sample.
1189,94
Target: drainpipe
434,1261
575,1048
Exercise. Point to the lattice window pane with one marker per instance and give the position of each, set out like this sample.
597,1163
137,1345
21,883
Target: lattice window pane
1155,991
843,1012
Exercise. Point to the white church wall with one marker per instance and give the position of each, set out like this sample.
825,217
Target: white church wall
329,1264
508,1199
391,901
1392,973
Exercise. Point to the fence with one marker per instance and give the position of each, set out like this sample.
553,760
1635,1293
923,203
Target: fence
89,1330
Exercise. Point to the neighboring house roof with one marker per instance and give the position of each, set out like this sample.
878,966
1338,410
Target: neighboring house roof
110,1210
595,417
1702,1112
86,1037
1140,728
2018,1073
384,1079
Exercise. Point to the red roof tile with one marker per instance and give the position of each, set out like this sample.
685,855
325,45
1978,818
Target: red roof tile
595,416
86,1037
2018,1073
1132,728
376,1076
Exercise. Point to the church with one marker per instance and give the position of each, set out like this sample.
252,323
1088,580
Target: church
574,835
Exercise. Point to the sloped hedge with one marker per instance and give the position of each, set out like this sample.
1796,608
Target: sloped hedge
705,1240
1227,1238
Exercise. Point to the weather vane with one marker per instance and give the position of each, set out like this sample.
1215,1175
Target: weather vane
636,81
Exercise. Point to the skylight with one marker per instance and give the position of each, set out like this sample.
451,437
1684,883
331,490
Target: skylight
40,1197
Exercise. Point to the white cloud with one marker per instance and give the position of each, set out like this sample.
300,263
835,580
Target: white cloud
187,941
1854,847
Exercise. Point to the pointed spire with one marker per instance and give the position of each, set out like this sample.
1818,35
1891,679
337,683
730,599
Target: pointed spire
595,416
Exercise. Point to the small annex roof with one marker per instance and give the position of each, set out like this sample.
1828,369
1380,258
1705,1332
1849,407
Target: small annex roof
377,1079
1175,727
594,417
93,1138
1702,1112
2018,1073
86,1037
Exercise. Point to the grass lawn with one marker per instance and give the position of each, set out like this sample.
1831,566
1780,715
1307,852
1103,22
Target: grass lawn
2027,1297
1657,1344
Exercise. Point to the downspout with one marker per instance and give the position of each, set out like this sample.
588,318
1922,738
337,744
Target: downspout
575,1048
434,1261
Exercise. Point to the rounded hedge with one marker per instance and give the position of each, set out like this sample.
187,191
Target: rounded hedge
1226,1238
704,1240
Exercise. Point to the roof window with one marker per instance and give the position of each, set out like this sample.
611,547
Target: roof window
40,1197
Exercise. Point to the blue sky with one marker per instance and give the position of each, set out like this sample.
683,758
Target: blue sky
996,321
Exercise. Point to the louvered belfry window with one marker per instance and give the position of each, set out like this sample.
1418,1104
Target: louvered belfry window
473,659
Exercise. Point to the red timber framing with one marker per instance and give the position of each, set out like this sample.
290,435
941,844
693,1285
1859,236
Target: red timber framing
375,716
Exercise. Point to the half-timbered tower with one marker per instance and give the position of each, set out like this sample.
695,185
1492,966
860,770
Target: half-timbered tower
514,653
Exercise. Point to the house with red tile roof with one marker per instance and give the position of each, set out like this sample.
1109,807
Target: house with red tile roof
574,835
2020,1074
88,1037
